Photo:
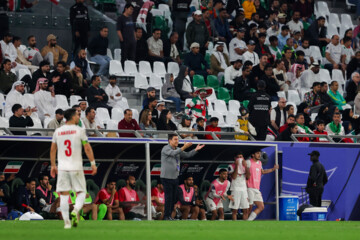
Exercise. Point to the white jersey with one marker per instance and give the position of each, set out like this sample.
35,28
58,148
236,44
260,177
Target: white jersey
69,140
234,44
239,183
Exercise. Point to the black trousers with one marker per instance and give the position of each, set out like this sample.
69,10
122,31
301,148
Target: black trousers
170,190
261,132
315,195
80,42
128,51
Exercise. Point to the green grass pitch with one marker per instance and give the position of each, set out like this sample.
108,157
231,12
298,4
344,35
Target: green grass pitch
173,230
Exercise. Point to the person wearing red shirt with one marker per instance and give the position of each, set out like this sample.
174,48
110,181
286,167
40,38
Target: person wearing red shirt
158,199
320,130
213,127
128,123
290,119
129,199
109,197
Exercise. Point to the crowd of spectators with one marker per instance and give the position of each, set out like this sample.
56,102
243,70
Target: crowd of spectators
259,50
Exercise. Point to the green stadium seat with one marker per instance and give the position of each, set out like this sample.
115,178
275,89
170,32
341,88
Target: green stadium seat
245,103
198,81
212,81
154,183
140,185
92,188
224,94
16,183
120,183
207,58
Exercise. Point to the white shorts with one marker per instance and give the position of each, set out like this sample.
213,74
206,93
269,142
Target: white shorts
254,196
71,180
241,200
211,206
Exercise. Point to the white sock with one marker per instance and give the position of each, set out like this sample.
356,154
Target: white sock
252,216
79,202
64,207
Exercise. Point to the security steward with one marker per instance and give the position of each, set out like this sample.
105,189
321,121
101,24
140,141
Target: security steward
80,25
316,181
259,111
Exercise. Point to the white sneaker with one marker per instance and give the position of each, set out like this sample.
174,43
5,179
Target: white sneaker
67,225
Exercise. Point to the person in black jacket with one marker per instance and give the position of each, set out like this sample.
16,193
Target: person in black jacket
352,87
164,122
20,119
316,180
194,60
61,80
241,86
96,96
26,198
316,33
98,51
272,86
286,134
141,45
183,84
170,49
259,114
353,65
42,72
80,25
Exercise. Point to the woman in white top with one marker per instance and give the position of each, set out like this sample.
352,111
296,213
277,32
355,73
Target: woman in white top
280,75
185,125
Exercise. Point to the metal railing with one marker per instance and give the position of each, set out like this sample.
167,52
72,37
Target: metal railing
328,137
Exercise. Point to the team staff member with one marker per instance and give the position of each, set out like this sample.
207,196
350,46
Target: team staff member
170,168
80,25
316,180
253,184
239,173
259,111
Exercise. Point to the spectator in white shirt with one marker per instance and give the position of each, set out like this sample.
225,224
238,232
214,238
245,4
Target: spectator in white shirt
9,52
305,48
309,76
16,96
237,47
295,24
347,50
231,73
156,47
89,121
335,56
115,95
250,55
33,55
56,122
44,99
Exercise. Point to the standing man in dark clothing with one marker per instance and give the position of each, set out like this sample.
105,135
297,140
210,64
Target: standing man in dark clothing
316,181
96,96
198,32
80,25
259,109
125,29
141,52
170,169
181,9
316,33
20,119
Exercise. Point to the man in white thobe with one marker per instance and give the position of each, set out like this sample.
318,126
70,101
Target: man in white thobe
44,100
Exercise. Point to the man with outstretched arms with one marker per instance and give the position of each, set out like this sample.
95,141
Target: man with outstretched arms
67,142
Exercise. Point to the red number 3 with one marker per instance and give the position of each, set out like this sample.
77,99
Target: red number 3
68,151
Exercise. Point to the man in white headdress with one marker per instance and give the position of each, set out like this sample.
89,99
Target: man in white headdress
308,77
44,99
16,96
219,60
116,99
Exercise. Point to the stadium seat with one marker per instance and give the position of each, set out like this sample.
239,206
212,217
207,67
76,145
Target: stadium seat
140,185
155,81
2,103
61,102
135,113
212,81
224,94
210,107
117,114
344,27
220,107
293,96
212,97
234,106
334,19
349,5
4,123
187,101
245,103
274,104
323,8
109,54
46,122
116,68
140,81
103,115
92,188
112,125
313,116
221,119
23,72
120,184
74,100
173,68
29,99
281,94
16,183
231,119
125,102
316,53
159,69
145,68
37,124
117,54
161,99
204,188
198,81
331,31
88,56
325,75
130,68
156,12
346,20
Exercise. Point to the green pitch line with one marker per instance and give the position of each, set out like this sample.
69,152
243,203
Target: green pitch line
180,230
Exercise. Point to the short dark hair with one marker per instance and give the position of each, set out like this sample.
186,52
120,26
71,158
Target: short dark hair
44,63
5,62
42,177
285,27
336,113
103,27
152,99
16,38
77,64
323,84
199,119
300,53
129,176
320,121
298,115
291,125
138,28
156,29
238,153
110,180
214,119
171,136
75,106
59,111
291,115
273,38
222,170
31,36
29,180
286,49
287,108
268,65
127,6
69,113
223,9
346,39
88,110
93,78
61,63
15,107
126,110
112,77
